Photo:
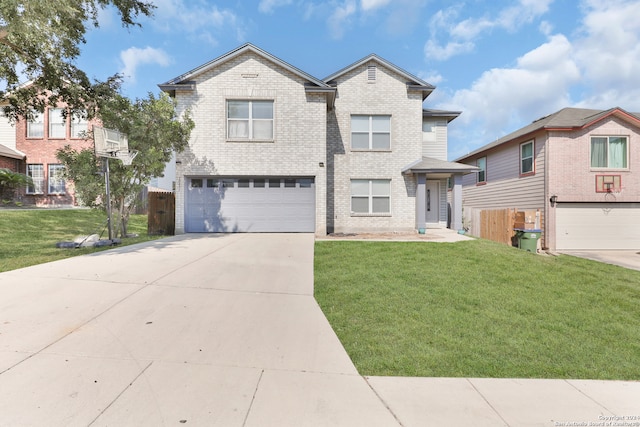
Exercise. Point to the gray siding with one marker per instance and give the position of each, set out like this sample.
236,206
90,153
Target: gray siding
505,188
435,146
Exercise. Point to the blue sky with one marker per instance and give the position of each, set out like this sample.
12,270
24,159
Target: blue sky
502,63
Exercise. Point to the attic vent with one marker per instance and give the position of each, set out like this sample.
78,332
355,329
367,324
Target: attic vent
250,76
371,73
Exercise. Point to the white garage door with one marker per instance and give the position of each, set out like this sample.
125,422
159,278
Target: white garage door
228,205
597,226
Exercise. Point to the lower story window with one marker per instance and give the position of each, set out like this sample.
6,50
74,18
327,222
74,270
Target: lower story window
370,196
56,179
36,173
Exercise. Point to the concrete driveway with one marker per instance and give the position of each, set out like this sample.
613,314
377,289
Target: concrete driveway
622,258
223,330
200,330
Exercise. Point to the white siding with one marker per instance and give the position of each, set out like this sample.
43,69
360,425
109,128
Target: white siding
7,133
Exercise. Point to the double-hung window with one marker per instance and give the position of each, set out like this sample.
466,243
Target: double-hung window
370,132
57,123
35,126
250,120
36,173
56,179
79,125
609,152
526,158
482,173
370,196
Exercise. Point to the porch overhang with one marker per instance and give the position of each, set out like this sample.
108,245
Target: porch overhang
12,154
431,166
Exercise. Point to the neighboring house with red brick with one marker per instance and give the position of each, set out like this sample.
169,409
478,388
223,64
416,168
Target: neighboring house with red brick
579,167
275,149
10,157
29,147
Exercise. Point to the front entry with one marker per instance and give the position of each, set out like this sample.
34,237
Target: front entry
432,201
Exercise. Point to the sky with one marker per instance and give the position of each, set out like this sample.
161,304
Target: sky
503,64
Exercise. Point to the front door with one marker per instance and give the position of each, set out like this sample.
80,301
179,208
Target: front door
433,203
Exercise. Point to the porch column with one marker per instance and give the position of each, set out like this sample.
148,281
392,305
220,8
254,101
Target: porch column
456,202
421,201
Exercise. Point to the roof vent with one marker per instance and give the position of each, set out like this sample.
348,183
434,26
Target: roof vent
371,73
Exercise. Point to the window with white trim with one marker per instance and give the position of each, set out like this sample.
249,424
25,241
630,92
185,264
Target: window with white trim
56,179
79,125
370,132
526,157
35,126
609,152
36,173
370,196
250,120
481,163
57,123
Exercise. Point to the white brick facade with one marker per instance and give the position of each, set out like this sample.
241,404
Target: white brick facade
387,95
312,133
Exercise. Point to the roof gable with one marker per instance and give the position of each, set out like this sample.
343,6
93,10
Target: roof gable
184,81
412,81
567,119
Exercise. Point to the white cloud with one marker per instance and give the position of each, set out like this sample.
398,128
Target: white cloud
202,20
134,57
609,53
268,6
340,18
441,53
596,68
502,99
373,4
461,34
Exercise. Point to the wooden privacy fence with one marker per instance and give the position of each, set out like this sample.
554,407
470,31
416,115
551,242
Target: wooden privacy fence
162,213
497,225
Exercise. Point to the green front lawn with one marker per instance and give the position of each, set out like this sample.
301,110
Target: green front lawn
478,309
29,236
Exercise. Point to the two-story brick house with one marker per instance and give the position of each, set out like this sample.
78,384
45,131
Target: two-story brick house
577,167
276,149
29,147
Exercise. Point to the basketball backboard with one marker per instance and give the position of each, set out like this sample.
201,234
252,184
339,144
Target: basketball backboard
108,142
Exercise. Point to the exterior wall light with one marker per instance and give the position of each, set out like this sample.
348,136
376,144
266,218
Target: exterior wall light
553,200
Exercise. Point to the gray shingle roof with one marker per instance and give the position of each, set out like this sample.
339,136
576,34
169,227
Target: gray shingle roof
565,119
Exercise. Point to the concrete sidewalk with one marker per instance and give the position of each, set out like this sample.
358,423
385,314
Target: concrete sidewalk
223,330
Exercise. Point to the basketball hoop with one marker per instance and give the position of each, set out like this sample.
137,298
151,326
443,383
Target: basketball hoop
111,144
126,157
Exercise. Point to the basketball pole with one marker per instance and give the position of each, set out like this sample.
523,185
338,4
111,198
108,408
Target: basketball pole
108,189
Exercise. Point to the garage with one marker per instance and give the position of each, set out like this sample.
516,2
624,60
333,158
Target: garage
250,205
584,226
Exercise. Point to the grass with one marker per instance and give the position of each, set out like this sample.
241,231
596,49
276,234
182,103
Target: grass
479,309
29,236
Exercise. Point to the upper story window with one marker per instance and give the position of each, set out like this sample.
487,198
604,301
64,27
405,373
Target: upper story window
526,158
250,120
35,126
609,152
79,126
54,125
370,132
481,163
57,123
